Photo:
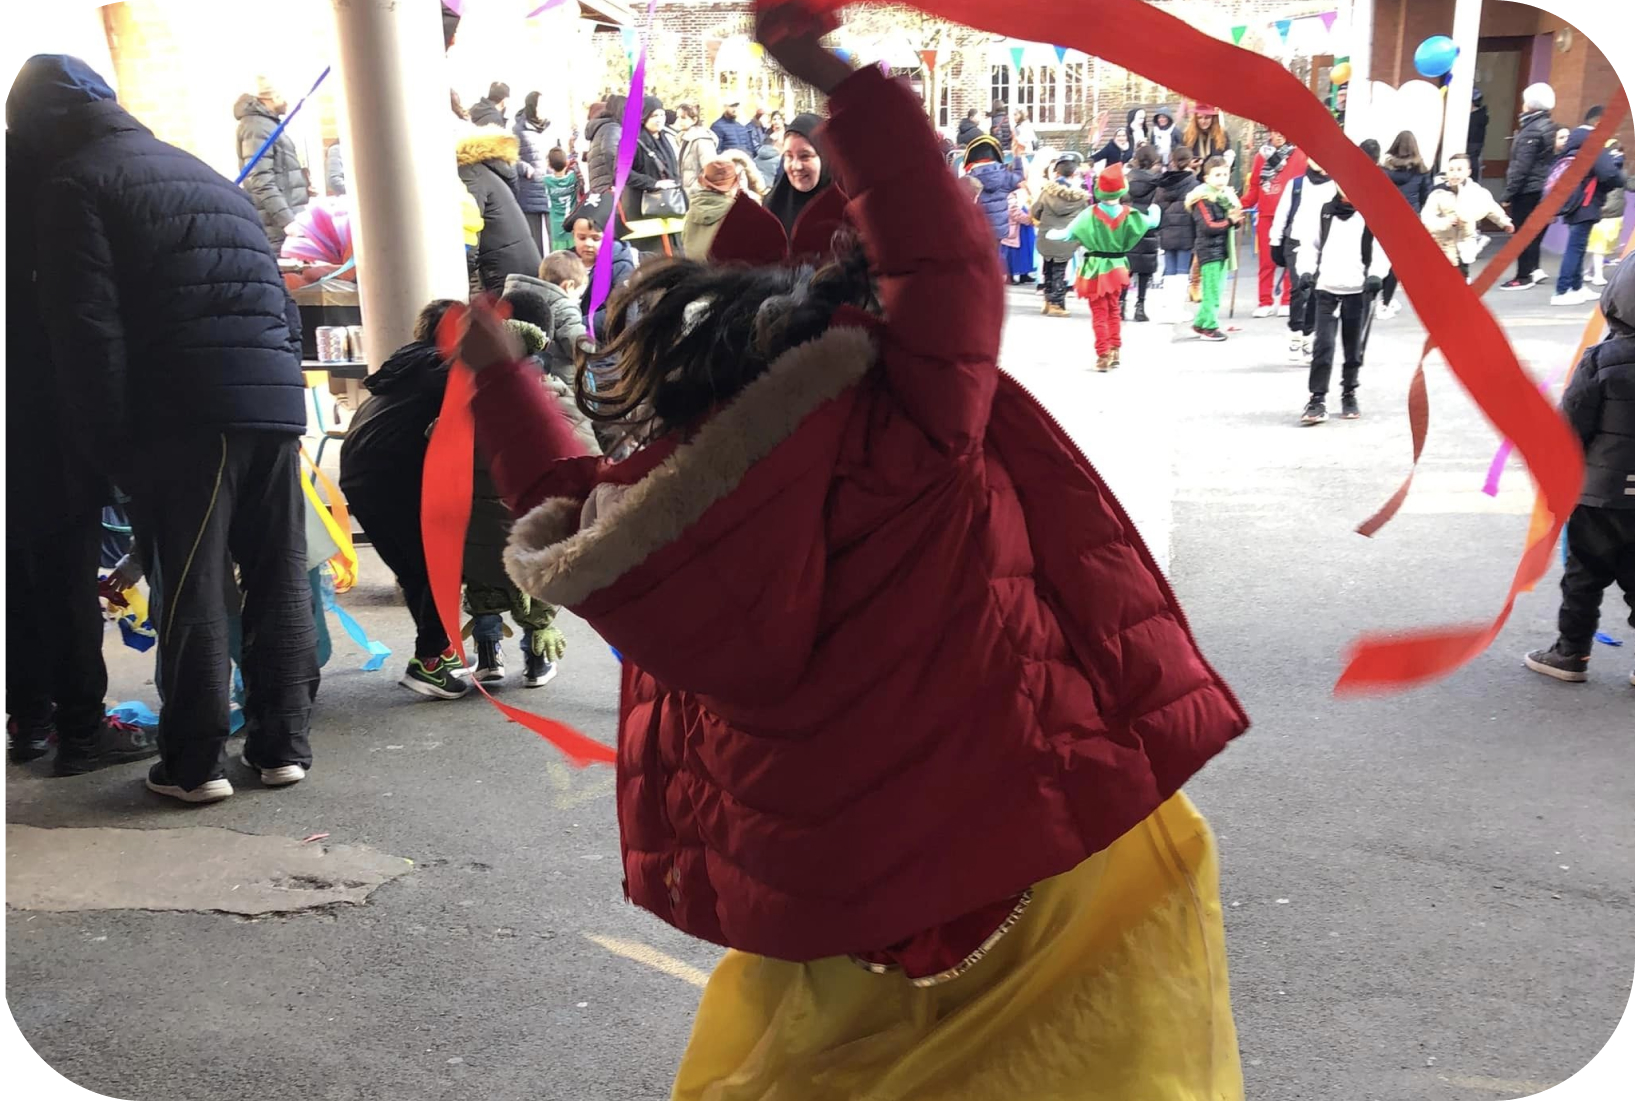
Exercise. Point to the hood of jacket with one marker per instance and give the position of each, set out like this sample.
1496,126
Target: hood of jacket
601,122
1060,198
1618,301
708,206
50,89
488,143
248,106
1176,184
413,367
1143,186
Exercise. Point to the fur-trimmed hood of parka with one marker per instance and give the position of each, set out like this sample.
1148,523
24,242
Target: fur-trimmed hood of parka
487,143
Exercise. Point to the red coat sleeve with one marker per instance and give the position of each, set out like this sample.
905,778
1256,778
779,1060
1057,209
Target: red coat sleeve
524,436
933,254
1251,194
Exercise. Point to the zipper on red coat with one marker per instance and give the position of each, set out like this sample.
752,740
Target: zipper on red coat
1136,538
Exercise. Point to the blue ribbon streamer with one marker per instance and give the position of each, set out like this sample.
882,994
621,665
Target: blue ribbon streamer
278,130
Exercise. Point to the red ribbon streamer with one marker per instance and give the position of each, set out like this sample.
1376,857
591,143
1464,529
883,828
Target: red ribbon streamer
445,512
1169,51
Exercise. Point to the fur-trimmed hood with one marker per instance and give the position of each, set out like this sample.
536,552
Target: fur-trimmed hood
1204,191
487,143
567,550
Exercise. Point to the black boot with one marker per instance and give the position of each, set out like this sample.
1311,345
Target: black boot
1141,310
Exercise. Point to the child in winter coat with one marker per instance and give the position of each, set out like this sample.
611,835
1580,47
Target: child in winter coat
1107,231
1018,242
1060,201
561,196
1609,231
1176,232
1454,211
984,161
551,302
1143,183
1299,210
1216,215
905,705
1600,406
1346,268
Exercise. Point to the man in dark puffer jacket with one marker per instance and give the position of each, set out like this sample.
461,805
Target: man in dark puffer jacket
1600,406
178,351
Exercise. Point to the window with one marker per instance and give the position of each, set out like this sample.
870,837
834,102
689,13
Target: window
1027,92
1000,84
945,104
1047,96
1075,93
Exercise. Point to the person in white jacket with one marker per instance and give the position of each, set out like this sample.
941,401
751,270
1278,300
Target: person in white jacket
1455,210
1345,267
1296,220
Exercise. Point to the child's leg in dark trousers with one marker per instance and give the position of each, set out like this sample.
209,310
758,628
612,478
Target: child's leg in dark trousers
1389,290
1142,282
1600,551
1056,283
1322,353
393,524
1354,325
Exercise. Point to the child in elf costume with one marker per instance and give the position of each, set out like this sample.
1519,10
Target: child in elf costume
1108,231
1216,213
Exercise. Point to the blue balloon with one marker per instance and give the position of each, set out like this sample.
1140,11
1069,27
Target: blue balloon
843,54
1435,56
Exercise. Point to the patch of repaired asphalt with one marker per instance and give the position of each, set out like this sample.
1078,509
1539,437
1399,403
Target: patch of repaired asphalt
199,868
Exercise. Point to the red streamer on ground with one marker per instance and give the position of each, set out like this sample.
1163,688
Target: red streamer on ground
1167,50
445,512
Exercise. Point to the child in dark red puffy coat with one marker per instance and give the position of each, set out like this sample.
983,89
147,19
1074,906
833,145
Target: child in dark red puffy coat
906,704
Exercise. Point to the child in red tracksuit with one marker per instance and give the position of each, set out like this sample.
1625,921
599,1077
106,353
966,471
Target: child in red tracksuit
1107,231
905,705
1276,166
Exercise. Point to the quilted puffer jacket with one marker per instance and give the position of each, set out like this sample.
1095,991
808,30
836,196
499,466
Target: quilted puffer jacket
278,184
997,184
1600,402
892,651
157,286
487,160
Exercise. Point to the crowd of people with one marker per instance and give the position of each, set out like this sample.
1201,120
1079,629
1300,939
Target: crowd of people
781,475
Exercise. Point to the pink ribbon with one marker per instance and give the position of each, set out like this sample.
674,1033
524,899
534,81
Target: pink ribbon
601,283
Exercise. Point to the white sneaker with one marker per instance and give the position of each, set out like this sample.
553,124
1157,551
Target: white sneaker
211,791
1381,311
1306,346
277,777
1540,276
1297,349
1482,241
1283,311
1265,311
1571,298
1594,282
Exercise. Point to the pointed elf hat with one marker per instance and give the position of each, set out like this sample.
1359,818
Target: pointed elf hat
751,234
1110,184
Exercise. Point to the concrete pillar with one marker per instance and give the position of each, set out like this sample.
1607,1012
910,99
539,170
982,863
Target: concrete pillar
1362,69
1467,30
399,145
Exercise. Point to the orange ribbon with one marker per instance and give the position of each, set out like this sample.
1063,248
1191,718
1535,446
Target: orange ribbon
445,512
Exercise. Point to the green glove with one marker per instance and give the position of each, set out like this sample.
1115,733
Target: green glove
549,641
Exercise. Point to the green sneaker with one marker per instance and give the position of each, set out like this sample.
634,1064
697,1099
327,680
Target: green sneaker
437,678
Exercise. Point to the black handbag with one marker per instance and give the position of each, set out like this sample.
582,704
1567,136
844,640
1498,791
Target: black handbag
664,202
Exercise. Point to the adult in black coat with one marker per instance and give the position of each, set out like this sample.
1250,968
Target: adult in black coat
970,129
655,166
1532,152
1476,138
487,160
172,331
1600,406
1408,172
490,110
999,125
55,677
602,135
1142,180
1176,230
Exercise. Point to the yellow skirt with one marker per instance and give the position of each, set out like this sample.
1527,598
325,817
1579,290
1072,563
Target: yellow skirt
1111,986
1604,237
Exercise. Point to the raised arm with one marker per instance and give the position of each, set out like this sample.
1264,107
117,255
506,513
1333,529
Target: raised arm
933,255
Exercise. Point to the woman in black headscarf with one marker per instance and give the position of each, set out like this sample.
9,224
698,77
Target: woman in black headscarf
805,175
1118,149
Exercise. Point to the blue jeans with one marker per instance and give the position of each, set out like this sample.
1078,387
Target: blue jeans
1572,260
1178,262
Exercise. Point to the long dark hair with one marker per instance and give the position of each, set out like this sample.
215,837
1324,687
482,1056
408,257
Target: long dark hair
683,337
530,111
1406,149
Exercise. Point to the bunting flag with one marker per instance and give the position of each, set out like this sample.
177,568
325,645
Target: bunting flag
1167,50
543,8
1061,55
630,37
1283,26
1237,34
1016,58
930,59
1328,18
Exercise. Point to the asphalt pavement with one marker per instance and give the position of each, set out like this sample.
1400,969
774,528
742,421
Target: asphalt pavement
1428,894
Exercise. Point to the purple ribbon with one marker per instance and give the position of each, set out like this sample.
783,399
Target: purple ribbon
545,7
601,283
1495,469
